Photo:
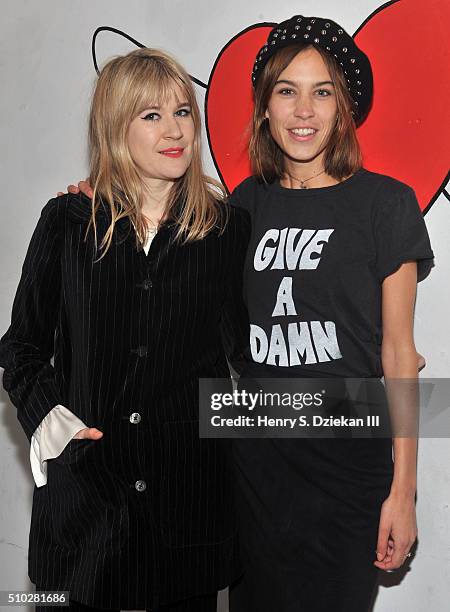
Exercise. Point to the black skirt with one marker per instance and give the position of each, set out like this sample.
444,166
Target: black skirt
309,512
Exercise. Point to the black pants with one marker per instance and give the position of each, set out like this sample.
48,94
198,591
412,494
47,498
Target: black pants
204,603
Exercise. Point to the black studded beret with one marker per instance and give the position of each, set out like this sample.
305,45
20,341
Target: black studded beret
331,37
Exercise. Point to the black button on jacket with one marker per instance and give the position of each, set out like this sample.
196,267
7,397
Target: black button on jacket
130,333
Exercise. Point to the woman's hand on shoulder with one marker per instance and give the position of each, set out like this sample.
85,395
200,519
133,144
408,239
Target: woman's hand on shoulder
83,186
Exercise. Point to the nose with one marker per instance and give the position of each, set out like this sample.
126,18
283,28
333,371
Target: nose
172,128
303,106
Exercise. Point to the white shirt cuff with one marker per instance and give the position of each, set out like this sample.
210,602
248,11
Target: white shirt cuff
50,438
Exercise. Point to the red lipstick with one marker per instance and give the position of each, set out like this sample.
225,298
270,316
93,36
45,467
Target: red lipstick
173,152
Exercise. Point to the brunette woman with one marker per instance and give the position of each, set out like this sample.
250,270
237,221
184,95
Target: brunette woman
330,283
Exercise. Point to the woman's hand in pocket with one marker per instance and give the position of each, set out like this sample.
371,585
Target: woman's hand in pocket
88,433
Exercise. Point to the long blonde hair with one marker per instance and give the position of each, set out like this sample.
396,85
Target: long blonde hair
126,85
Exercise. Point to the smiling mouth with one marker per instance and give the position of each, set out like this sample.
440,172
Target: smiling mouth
176,152
302,134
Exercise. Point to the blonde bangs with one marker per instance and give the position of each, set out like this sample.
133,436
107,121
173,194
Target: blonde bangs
155,84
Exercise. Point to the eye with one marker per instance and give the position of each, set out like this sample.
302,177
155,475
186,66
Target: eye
323,93
183,112
286,91
152,117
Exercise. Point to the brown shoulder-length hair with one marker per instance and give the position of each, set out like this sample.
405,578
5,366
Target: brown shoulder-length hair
127,85
342,155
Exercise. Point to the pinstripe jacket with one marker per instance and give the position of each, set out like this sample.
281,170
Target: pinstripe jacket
145,515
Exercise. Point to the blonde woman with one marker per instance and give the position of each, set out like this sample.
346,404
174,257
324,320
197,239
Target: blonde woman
133,293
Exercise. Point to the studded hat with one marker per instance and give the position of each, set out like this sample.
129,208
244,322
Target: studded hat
331,37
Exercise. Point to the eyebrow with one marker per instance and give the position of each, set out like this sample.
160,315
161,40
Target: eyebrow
156,107
292,83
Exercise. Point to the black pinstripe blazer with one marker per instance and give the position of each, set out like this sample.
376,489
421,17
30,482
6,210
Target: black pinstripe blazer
145,515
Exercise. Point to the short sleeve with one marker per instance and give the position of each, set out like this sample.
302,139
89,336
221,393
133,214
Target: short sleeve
234,319
243,195
401,234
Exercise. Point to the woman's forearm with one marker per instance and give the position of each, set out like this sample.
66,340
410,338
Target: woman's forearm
400,373
399,361
404,482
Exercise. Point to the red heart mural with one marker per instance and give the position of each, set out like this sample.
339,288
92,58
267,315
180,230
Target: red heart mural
407,132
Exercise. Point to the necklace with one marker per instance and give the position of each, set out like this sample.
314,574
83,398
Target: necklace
302,182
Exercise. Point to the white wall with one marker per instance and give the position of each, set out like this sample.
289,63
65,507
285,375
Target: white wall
46,76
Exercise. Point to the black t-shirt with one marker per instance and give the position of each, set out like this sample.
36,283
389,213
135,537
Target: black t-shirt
315,265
